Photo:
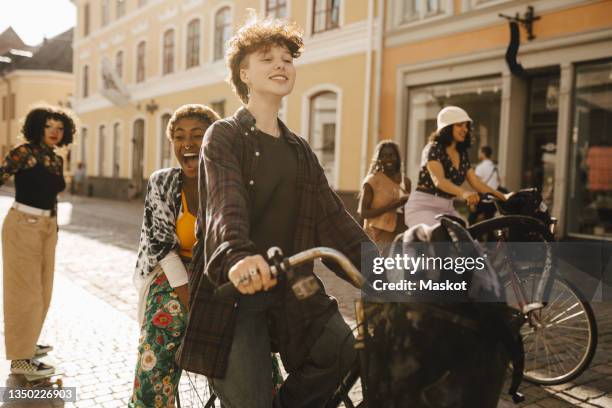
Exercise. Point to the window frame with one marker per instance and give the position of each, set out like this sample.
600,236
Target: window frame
85,81
193,44
267,9
168,65
120,8
219,54
105,13
328,13
119,63
138,66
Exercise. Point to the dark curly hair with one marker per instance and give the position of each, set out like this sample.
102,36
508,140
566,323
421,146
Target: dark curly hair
259,35
192,111
374,165
445,138
34,126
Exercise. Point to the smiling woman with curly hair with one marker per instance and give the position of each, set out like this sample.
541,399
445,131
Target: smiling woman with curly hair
29,234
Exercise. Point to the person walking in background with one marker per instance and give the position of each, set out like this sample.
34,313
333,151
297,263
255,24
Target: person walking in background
487,171
166,241
29,234
445,166
384,190
78,179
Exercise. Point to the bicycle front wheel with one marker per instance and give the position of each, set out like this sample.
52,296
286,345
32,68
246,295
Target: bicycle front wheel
560,338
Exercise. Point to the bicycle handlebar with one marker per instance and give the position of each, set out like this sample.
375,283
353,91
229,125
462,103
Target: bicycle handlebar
228,289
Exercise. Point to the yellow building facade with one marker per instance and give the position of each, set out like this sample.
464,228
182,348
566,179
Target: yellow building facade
548,119
168,53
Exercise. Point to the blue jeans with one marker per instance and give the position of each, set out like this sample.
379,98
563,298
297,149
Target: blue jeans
249,372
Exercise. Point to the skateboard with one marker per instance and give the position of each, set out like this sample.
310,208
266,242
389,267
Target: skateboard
44,381
47,380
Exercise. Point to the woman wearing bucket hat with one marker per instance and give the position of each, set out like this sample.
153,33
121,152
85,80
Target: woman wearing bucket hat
445,166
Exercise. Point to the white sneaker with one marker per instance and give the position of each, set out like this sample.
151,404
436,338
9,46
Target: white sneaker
42,349
31,367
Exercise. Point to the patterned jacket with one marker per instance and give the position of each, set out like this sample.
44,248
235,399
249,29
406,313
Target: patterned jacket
228,159
158,234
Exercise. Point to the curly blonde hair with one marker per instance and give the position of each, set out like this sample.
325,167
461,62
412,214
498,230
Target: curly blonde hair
259,35
192,111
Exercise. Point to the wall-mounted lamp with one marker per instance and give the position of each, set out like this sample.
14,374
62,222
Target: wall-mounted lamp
152,106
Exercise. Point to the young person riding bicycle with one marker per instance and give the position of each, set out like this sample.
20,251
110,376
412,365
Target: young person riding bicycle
445,166
264,187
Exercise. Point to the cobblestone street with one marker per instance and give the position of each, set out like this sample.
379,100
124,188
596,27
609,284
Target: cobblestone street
92,323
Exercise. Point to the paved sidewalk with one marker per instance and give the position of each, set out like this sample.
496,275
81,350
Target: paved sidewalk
92,323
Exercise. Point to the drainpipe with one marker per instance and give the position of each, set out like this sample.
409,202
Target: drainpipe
367,93
378,73
7,111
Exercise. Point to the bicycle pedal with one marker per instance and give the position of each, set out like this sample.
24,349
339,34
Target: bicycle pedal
530,307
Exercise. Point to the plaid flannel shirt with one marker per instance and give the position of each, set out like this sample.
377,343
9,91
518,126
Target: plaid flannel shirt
228,159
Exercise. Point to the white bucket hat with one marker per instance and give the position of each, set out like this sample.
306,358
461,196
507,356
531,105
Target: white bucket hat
451,115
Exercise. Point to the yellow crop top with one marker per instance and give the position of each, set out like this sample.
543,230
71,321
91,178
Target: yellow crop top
185,229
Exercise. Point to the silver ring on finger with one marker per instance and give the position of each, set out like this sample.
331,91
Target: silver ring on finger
244,279
253,271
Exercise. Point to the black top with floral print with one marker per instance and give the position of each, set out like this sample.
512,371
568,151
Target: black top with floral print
437,152
39,175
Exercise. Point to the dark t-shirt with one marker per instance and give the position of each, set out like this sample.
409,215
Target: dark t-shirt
274,206
436,152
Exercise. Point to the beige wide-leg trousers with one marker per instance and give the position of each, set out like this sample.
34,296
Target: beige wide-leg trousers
28,257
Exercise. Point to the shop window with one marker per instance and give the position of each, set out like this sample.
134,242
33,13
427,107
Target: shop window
590,170
481,98
219,107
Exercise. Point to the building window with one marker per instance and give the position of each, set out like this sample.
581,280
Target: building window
120,8
140,62
12,105
168,63
322,131
165,148
105,12
326,15
223,31
417,9
590,170
193,43
142,3
86,21
219,107
101,149
85,81
84,146
116,150
119,64
8,107
481,98
276,8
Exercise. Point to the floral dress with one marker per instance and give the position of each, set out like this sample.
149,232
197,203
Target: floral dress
157,373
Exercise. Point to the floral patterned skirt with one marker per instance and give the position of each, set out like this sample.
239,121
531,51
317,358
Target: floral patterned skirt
157,374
